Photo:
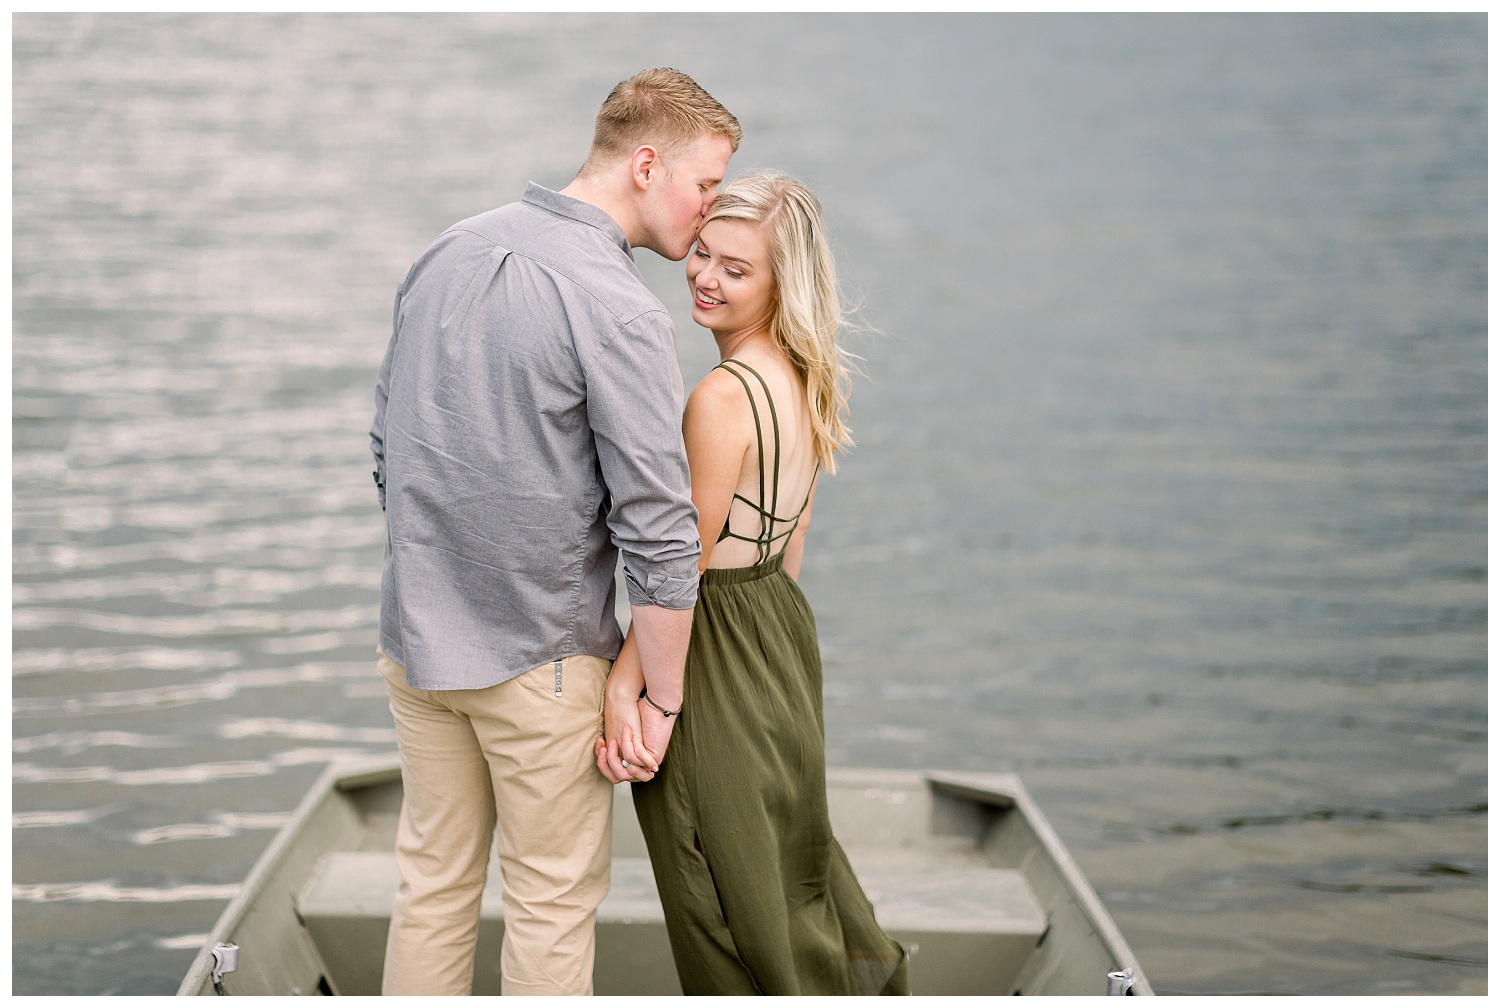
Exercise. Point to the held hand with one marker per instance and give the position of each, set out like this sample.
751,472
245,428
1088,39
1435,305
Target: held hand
618,753
617,767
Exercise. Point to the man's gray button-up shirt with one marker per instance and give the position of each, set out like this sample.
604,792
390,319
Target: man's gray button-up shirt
528,422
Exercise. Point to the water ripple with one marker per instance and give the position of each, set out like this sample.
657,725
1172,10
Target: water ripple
208,587
198,773
205,625
109,892
288,728
207,547
76,817
29,661
73,742
226,824
1323,814
159,697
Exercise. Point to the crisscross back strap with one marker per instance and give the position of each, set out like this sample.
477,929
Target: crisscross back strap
767,535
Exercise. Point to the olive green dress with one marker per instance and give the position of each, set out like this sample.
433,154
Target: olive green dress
759,896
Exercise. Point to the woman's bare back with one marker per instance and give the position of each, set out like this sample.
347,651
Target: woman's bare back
769,503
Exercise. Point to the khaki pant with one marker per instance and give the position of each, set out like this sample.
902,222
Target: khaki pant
521,749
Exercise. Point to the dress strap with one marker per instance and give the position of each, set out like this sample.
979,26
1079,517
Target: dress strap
760,448
766,515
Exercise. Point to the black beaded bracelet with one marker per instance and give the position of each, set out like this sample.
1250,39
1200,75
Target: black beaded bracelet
659,708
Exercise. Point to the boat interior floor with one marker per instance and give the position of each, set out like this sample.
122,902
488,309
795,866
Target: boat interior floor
967,921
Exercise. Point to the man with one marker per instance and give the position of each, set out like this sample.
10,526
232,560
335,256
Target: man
528,424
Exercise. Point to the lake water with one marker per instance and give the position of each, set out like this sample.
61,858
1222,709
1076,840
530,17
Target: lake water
1170,492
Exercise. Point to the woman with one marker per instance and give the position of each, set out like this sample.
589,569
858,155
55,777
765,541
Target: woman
759,896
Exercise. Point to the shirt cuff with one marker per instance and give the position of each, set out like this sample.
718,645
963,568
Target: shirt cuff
662,590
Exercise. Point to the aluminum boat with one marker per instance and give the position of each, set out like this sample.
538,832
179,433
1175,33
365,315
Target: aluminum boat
963,870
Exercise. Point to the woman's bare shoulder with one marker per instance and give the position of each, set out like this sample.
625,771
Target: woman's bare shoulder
718,398
717,426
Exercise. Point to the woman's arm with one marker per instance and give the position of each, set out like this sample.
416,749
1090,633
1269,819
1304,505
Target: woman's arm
718,430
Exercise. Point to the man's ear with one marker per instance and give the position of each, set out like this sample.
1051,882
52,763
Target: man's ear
645,165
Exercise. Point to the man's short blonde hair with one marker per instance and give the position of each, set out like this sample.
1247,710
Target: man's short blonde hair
662,107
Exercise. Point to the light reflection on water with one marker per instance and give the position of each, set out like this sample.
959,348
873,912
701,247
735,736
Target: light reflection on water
1170,491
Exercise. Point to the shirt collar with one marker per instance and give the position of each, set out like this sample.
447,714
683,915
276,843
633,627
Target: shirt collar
578,210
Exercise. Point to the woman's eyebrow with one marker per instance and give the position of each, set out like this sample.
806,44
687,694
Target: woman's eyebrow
704,248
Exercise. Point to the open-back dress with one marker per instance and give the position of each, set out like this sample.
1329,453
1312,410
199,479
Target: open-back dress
759,896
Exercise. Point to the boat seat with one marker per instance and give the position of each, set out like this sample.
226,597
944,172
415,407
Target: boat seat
963,924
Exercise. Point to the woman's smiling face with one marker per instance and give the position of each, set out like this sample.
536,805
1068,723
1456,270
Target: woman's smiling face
729,275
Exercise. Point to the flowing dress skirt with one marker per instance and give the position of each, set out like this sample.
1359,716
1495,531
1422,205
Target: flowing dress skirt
759,896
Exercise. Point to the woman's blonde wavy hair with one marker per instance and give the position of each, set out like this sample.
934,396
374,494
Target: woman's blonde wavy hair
806,316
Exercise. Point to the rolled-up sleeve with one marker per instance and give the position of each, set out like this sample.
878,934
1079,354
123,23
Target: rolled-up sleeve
635,400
